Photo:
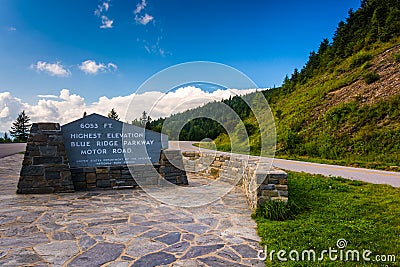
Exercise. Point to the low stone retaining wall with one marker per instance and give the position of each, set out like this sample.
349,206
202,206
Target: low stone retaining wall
259,183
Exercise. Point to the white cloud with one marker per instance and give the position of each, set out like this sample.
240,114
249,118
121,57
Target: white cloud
112,67
53,69
106,6
106,23
154,48
47,96
140,7
143,19
100,8
91,67
12,29
68,107
9,108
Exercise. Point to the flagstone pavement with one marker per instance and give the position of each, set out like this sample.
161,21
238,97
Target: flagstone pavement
121,228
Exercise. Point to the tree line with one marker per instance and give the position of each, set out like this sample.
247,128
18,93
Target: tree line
376,21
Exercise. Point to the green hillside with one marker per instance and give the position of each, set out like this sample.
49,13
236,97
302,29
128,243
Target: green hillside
343,106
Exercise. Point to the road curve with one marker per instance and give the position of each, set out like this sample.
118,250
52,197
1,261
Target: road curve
360,174
8,149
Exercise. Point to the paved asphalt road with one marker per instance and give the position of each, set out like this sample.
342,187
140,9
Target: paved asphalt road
11,149
366,175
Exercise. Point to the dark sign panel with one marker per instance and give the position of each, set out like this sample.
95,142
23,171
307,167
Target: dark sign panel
96,140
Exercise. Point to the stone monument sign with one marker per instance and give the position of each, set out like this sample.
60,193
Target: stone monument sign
96,140
96,152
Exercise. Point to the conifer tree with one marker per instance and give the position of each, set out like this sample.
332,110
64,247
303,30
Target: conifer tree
113,115
20,128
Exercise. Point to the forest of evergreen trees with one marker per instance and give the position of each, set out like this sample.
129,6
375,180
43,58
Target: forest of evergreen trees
375,21
203,127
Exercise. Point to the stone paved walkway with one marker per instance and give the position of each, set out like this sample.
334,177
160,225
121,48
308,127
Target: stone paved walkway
121,228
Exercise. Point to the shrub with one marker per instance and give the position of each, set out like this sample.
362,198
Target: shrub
371,77
366,65
359,59
276,210
397,57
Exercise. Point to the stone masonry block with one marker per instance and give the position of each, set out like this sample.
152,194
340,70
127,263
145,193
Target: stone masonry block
90,178
102,176
273,181
80,186
39,138
277,174
50,151
282,187
47,160
32,170
267,187
78,177
48,126
89,169
283,193
49,175
102,170
283,181
283,199
103,183
27,161
270,193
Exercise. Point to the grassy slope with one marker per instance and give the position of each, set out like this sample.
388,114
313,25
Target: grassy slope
366,215
348,130
352,131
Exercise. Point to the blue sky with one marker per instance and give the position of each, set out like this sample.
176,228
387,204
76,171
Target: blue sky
108,48
264,39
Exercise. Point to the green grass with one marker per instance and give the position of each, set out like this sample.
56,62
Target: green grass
371,77
397,57
328,209
359,59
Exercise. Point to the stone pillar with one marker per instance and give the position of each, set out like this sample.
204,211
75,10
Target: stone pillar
45,167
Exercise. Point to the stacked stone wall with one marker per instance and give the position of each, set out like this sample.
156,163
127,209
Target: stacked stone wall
120,176
260,183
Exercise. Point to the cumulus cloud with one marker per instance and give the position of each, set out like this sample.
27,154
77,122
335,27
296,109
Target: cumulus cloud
106,23
9,108
53,69
91,67
67,107
47,96
146,18
100,8
140,6
140,18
